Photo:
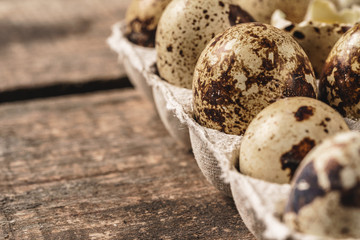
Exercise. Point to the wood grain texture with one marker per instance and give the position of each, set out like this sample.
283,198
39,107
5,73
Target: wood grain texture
45,42
102,166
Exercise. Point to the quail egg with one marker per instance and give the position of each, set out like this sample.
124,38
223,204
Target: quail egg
339,83
142,17
280,136
320,30
245,69
262,10
325,195
185,28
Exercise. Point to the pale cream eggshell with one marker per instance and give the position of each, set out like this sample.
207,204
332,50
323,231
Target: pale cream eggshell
281,135
185,28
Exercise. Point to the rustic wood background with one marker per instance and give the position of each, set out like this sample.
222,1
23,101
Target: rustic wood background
80,163
62,41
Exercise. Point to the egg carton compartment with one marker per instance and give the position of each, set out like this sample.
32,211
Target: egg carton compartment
259,203
175,110
139,63
206,143
134,59
173,104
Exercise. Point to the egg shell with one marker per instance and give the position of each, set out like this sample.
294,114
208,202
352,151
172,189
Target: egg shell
185,28
142,17
325,195
262,10
316,38
281,135
345,3
245,69
340,79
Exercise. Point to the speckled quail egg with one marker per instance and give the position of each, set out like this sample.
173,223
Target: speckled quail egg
281,135
325,195
321,29
262,10
142,17
340,80
185,28
245,69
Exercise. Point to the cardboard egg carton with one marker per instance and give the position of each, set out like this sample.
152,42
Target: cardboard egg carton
259,203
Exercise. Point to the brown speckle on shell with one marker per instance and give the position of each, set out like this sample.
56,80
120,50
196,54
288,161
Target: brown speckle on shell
169,48
291,159
304,113
344,29
289,28
317,30
298,87
298,35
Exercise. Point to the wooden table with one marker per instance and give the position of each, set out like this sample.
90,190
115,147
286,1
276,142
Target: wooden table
76,163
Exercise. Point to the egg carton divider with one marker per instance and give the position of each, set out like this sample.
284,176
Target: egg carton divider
134,59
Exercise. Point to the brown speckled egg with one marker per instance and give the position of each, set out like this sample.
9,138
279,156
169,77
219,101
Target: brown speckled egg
325,195
340,79
245,69
281,135
262,10
142,17
184,30
316,38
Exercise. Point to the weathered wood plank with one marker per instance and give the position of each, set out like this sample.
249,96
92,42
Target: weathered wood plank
44,42
102,166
